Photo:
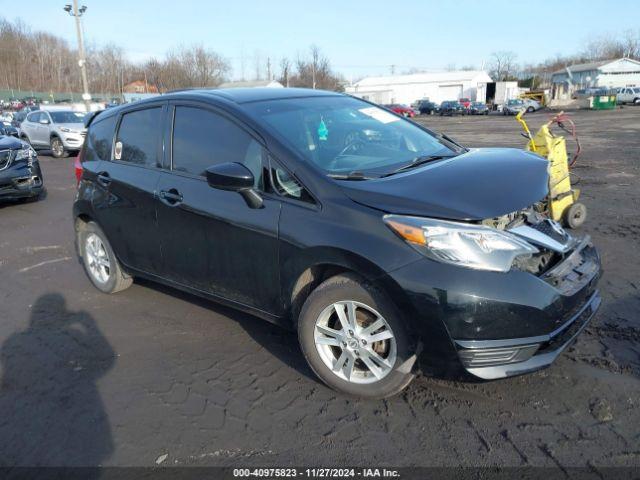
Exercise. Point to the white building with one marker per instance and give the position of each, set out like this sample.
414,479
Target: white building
624,72
436,87
252,84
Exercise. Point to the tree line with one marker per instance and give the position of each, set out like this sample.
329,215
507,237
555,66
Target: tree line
41,61
504,65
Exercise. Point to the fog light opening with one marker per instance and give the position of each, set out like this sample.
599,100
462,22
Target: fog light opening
486,357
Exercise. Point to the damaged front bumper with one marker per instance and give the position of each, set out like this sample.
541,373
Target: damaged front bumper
21,180
491,359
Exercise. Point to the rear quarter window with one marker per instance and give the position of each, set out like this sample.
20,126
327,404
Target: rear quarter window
100,139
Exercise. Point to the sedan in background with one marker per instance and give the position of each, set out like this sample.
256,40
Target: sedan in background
465,102
401,110
20,174
9,130
515,106
451,108
479,108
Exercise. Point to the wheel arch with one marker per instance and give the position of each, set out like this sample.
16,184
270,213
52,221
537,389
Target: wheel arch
319,264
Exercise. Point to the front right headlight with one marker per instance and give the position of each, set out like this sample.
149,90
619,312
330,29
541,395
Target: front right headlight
28,154
461,244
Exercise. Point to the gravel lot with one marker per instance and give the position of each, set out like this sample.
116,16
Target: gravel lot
151,375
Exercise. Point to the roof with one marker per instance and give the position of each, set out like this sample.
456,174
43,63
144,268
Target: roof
586,67
245,95
251,84
583,67
456,76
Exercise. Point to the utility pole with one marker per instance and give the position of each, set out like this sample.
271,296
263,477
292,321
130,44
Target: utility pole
76,12
269,68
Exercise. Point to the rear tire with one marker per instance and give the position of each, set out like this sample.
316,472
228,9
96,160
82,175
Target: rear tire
347,358
99,261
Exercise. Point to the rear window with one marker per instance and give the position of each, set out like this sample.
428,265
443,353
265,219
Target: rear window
100,139
139,137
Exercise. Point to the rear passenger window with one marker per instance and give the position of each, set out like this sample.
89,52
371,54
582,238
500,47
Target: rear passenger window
202,138
139,136
99,139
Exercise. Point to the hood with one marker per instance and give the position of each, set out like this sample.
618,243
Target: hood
9,143
478,184
72,126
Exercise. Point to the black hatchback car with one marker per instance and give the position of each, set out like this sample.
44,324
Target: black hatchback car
378,240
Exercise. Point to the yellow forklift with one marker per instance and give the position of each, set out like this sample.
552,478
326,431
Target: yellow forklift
562,203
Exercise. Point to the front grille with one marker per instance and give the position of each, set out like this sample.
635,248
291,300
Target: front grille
5,158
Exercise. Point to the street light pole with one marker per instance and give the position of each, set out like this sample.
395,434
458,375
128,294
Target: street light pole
76,12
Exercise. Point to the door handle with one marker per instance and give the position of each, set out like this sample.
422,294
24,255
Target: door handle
104,179
171,197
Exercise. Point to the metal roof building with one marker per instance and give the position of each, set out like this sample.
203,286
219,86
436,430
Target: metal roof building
437,87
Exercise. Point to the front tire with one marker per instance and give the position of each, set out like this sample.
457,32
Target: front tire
99,261
57,148
354,338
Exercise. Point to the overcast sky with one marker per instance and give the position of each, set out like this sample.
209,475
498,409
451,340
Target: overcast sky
359,37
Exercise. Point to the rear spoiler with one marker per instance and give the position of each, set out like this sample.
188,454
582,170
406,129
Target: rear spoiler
88,118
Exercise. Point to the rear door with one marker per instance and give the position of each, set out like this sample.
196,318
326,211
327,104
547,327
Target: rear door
30,128
125,188
210,239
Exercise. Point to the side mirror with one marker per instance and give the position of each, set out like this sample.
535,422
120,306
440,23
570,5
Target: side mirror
44,121
234,177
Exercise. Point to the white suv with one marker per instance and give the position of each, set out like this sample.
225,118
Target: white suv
61,131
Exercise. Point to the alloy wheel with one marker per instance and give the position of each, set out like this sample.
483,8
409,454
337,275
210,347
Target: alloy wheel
57,147
97,258
355,342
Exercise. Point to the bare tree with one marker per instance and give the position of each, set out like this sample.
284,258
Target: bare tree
503,66
285,68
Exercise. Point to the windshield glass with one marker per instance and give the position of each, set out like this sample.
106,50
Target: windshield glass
66,117
342,135
515,102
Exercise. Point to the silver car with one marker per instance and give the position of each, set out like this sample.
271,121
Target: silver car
61,131
629,95
515,106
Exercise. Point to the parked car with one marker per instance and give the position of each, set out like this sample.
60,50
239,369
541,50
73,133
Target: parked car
451,108
465,102
629,95
7,129
515,106
61,131
18,118
479,108
400,109
377,253
425,107
20,174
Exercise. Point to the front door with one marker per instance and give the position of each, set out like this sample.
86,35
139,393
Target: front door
211,239
125,189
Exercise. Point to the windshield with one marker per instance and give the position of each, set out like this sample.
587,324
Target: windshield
342,134
67,117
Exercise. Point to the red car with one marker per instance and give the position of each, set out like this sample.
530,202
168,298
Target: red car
465,102
401,110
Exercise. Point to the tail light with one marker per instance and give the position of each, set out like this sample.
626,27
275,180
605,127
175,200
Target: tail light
78,165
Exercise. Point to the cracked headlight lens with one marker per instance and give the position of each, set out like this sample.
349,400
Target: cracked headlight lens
461,244
28,154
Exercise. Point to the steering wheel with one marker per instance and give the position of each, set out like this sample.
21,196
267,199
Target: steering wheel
352,141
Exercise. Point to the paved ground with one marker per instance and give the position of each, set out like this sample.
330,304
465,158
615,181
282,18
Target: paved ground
90,379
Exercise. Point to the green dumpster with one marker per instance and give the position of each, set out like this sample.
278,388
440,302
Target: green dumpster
605,100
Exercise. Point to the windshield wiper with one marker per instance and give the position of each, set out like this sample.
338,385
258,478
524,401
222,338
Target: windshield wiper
416,162
355,175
